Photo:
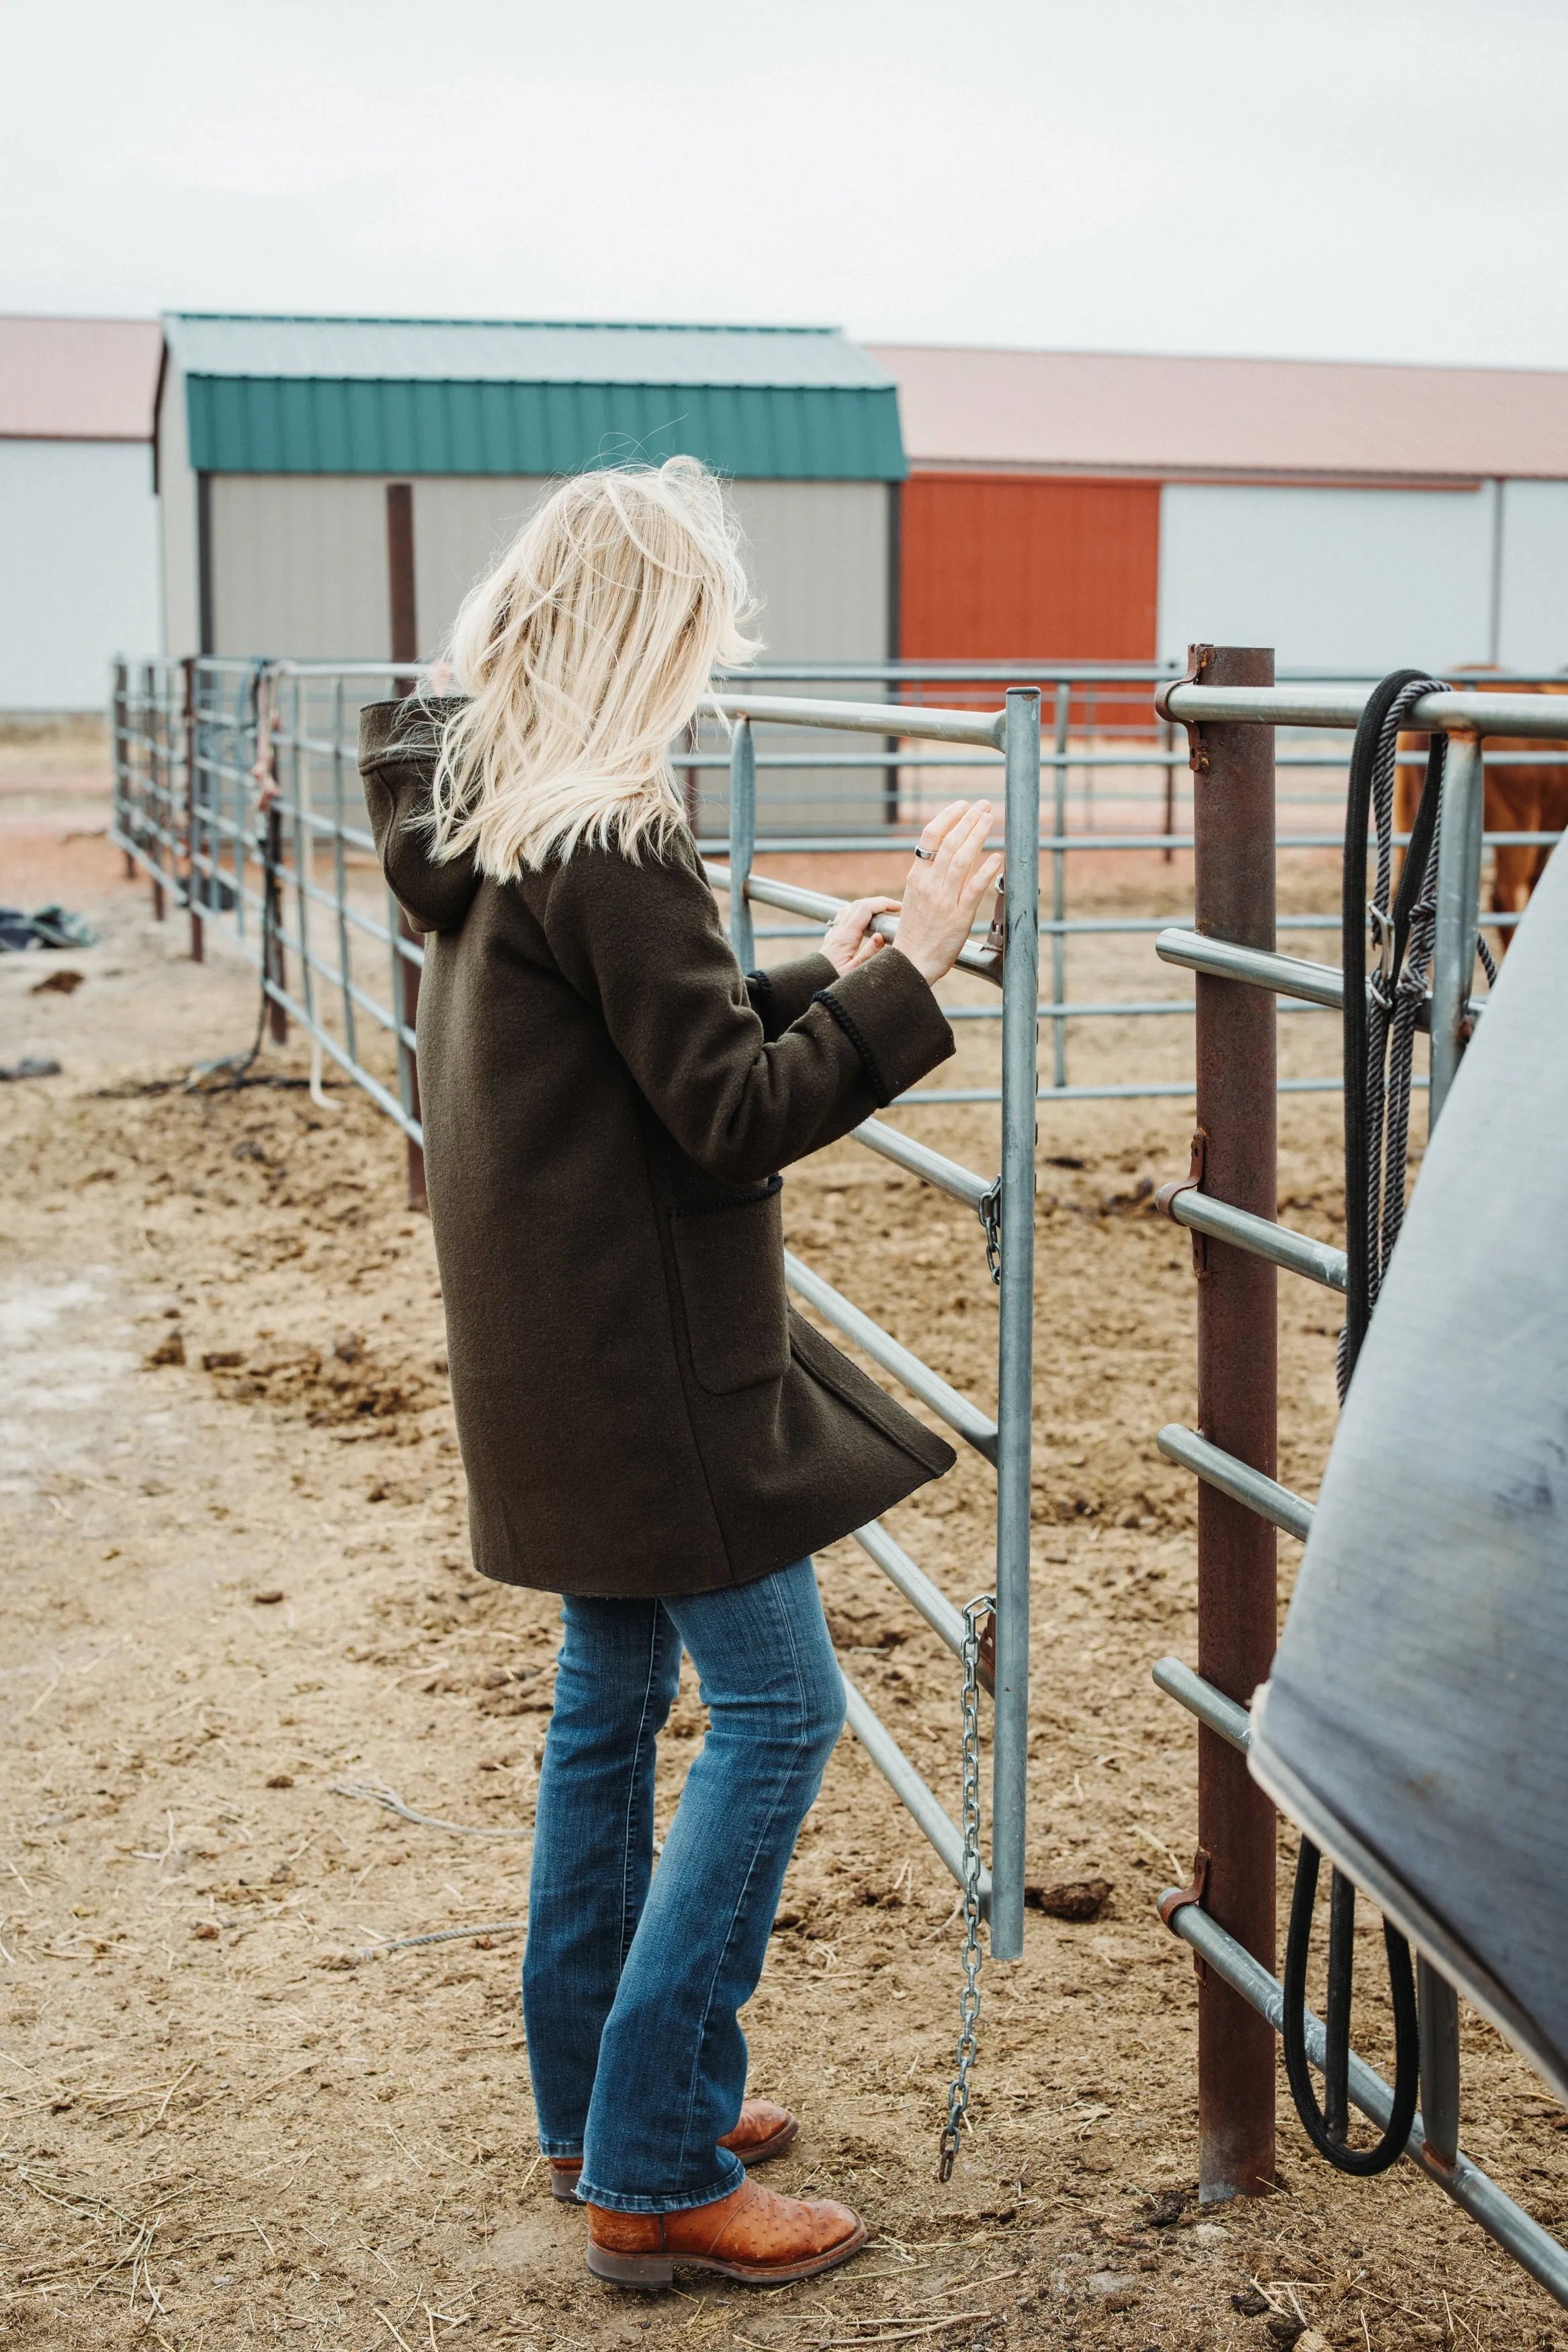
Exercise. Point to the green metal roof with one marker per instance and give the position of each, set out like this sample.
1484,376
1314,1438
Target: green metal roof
490,396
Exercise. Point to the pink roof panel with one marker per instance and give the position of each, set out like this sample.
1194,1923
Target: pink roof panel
1084,412
79,379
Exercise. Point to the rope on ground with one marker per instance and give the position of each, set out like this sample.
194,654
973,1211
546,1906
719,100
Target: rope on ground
372,1792
442,1936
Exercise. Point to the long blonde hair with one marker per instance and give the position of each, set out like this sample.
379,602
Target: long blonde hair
585,653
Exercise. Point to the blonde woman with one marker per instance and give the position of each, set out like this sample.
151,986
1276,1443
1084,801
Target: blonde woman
647,1427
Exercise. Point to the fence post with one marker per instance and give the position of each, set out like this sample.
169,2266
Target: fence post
272,883
742,839
1059,882
121,755
1233,826
157,793
195,884
1015,1377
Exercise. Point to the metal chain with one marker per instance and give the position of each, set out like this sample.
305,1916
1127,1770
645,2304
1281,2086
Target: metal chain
991,1218
975,1616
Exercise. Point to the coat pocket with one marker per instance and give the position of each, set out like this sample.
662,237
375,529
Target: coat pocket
729,1257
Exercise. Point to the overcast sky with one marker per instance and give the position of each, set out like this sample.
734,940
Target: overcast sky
1368,179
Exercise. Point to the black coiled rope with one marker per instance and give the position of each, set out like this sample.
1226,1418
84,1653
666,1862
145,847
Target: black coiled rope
1380,1023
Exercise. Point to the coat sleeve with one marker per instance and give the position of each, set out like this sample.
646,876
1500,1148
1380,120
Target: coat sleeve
781,994
644,943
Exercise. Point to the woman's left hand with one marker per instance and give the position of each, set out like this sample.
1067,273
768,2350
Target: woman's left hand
850,940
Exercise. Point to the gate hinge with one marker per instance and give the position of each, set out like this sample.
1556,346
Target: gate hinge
1197,660
1191,1182
1180,1896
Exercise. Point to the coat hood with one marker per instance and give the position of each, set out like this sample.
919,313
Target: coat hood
398,746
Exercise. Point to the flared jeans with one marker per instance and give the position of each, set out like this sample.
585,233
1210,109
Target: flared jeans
632,1976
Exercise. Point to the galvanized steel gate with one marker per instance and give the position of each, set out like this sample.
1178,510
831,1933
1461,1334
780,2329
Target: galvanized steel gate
1230,1202
1009,1205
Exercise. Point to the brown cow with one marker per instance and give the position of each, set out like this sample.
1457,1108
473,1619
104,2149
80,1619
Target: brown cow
1524,799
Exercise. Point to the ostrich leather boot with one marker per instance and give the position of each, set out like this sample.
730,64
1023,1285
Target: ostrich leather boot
751,2235
763,2132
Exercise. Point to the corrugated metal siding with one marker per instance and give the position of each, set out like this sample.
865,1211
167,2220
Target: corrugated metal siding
299,567
1331,579
515,350
299,562
817,554
1006,567
461,524
304,426
78,569
1534,576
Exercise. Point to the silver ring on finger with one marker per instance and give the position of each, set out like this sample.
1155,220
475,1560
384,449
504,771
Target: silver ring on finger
926,855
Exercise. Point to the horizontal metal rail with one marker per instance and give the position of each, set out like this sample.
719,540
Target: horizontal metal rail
945,1621
934,1825
1046,670
1294,977
1200,1698
1542,715
1297,1253
1071,1009
976,1427
1473,2190
911,720
1291,1513
762,891
919,1160
1310,984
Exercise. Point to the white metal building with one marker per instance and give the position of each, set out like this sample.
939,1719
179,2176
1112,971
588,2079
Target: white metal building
78,517
1103,505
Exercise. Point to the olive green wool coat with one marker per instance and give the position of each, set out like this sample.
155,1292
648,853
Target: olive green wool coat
607,1103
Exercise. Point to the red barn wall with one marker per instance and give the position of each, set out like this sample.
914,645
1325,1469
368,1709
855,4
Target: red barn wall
1005,567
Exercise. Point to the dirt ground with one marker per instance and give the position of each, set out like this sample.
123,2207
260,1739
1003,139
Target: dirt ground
238,1603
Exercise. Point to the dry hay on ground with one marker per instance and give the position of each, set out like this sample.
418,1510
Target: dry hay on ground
237,1579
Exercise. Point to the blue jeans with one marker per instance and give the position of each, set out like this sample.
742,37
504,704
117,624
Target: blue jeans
632,1977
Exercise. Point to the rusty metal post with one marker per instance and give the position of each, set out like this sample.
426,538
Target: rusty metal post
405,622
195,881
276,968
400,583
1233,794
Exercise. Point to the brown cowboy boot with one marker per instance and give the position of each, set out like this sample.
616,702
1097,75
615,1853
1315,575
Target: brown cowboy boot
751,2235
763,2132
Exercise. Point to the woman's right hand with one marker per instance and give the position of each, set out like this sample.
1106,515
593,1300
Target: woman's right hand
951,875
